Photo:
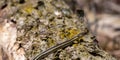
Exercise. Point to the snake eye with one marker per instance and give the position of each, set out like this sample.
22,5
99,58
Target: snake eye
13,21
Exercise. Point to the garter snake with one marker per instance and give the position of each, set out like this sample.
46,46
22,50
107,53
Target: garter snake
58,46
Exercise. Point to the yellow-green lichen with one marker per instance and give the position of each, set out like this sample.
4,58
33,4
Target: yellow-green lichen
28,9
51,42
68,33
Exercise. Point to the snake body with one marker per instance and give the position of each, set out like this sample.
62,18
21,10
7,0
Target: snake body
58,46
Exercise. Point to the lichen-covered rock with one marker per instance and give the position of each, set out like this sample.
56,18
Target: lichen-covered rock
42,24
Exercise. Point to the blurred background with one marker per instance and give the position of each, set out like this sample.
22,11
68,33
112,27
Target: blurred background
103,19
